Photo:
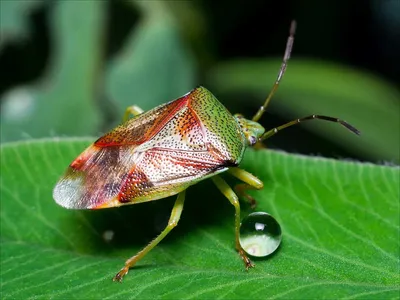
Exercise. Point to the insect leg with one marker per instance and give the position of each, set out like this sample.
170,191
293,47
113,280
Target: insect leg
230,194
275,130
131,110
251,183
173,221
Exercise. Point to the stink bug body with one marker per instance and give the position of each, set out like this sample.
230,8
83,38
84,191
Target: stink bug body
162,152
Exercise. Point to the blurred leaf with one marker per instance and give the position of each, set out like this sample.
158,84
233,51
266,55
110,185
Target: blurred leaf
154,66
63,102
340,223
316,87
14,19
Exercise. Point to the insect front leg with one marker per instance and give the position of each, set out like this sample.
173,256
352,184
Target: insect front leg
173,221
131,110
251,183
230,194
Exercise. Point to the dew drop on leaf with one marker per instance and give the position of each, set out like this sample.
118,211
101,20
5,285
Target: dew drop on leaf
260,234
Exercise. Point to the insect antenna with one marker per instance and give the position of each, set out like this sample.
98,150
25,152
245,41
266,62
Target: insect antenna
275,130
289,46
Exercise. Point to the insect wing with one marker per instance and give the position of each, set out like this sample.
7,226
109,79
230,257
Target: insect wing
149,157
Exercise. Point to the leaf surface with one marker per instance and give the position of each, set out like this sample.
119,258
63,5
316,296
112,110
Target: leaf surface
340,223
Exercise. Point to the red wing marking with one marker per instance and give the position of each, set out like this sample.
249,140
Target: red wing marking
94,177
182,132
86,158
161,167
135,182
168,166
138,130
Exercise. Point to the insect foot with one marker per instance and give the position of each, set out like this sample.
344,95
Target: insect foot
121,274
247,262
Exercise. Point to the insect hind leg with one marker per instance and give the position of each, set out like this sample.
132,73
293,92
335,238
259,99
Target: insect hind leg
173,221
251,183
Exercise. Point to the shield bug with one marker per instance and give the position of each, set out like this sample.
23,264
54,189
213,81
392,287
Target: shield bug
161,152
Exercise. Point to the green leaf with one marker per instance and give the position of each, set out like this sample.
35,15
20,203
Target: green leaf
340,222
318,87
13,19
63,102
154,65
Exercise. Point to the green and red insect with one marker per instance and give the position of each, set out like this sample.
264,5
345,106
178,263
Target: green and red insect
164,151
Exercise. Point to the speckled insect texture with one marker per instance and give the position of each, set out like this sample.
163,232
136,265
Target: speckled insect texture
154,155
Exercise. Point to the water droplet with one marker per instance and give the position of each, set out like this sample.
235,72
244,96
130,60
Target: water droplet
260,234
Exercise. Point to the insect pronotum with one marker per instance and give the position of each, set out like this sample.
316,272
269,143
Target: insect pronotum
161,152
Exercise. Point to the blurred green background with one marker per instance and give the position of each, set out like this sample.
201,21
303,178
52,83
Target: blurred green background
69,68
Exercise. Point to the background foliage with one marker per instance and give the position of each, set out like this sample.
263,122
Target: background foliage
339,221
71,67
86,61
